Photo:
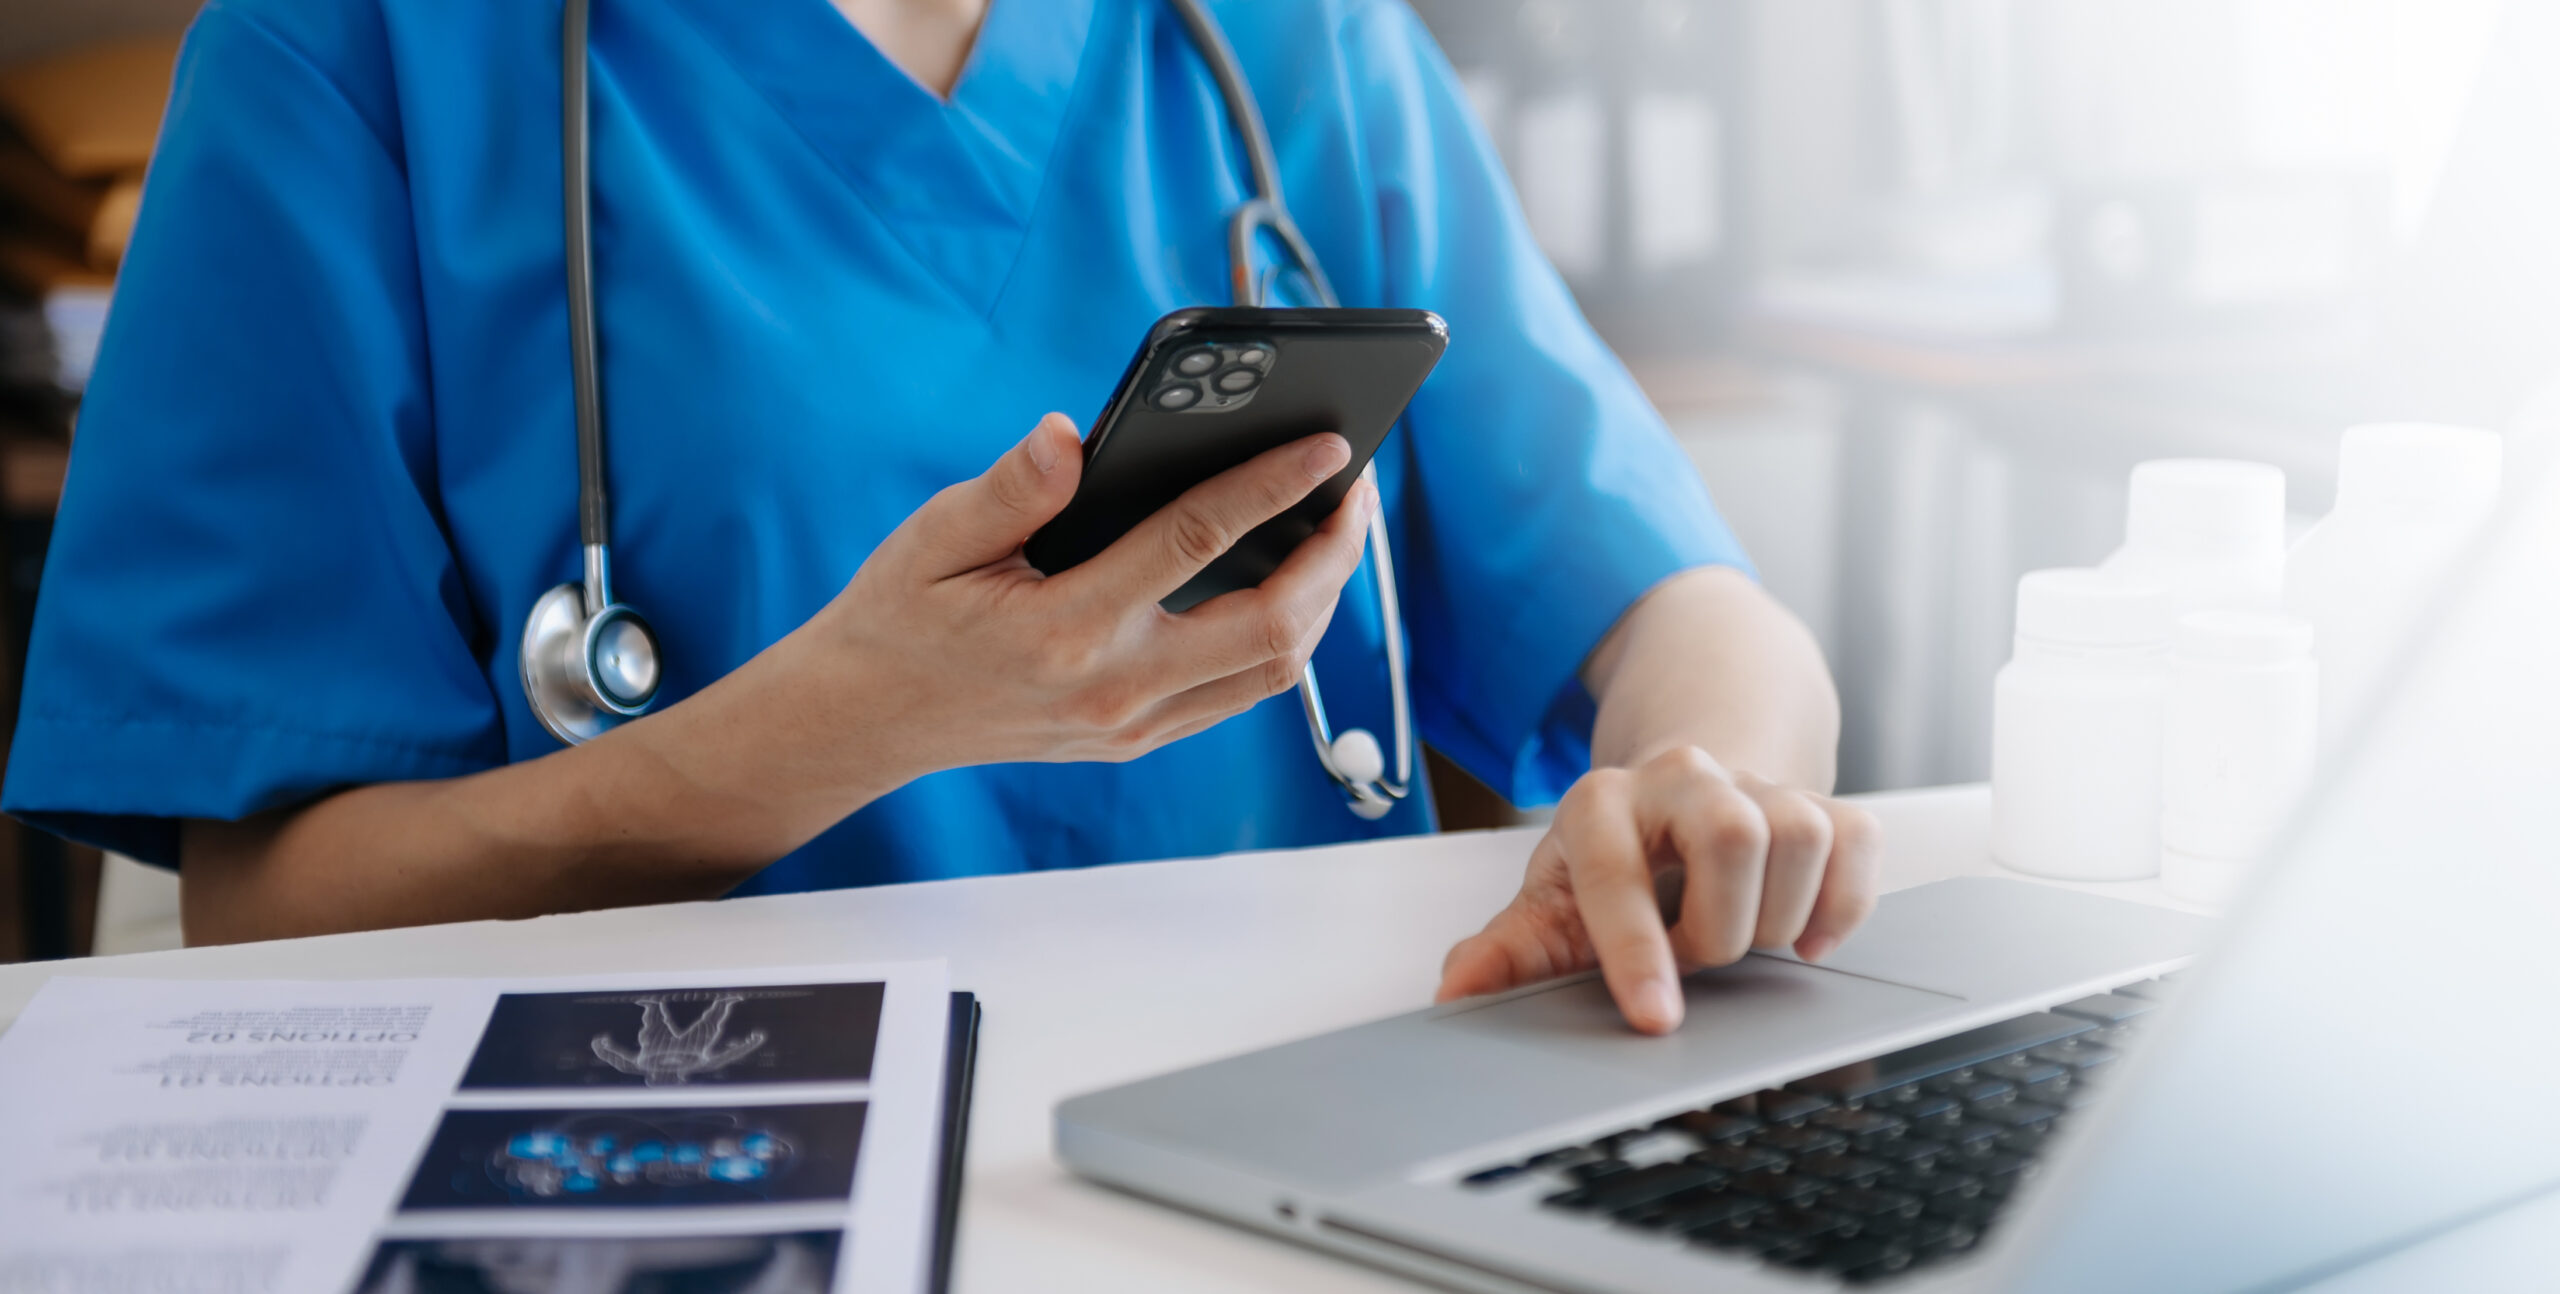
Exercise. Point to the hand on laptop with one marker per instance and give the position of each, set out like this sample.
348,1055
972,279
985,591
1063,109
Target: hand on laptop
1672,865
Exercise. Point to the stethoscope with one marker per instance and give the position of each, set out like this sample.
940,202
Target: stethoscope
590,662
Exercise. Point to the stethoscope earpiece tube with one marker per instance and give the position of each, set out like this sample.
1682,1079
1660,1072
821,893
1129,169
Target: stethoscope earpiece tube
1353,759
588,662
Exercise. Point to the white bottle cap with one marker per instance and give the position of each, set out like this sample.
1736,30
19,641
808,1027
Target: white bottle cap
2242,638
2419,471
2085,607
2206,509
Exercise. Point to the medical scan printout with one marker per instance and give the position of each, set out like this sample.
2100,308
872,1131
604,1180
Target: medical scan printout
764,1132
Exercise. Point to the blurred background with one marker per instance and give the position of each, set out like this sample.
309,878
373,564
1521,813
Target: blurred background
1916,282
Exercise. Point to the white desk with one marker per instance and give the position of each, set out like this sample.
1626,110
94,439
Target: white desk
1090,978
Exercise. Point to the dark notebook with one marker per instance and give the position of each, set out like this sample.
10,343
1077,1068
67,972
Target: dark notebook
959,1074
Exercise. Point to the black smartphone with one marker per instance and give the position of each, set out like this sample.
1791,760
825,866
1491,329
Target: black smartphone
1210,388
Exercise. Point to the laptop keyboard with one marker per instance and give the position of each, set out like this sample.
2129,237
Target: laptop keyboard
1863,1172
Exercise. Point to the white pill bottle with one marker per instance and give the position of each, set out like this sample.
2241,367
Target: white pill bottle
2237,749
2411,497
2210,531
2076,720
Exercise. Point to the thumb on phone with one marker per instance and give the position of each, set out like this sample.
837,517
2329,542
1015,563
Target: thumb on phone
984,520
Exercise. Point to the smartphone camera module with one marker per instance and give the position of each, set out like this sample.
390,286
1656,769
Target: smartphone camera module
1214,378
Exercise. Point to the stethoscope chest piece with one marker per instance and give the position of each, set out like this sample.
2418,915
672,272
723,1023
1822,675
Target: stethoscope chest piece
583,673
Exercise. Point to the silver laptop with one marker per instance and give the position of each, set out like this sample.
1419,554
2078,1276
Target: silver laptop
1995,1084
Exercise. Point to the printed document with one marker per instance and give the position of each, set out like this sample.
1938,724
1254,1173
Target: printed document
769,1131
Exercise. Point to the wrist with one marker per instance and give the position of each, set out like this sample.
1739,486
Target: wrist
767,757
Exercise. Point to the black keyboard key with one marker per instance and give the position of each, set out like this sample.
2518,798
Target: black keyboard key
1930,1109
1708,1125
1798,1139
1807,1224
1909,1151
1936,1235
1970,1135
2150,990
2025,1071
1890,1226
1646,1217
1738,1159
1975,1210
2000,1169
1564,1157
1861,1127
1973,1088
1780,1188
1787,1107
1941,1184
1643,1186
1691,1210
1867,1202
1809,1258
1911,1064
1490,1176
1870,1275
1837,1166
1867,1259
1914,1226
1749,1238
2078,1057
1596,1169
2015,1114
2105,1008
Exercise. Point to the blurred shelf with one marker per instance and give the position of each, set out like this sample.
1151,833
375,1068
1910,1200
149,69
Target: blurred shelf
1684,383
1975,365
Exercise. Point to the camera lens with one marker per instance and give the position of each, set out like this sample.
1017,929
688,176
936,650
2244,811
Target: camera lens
1238,381
1177,397
1197,363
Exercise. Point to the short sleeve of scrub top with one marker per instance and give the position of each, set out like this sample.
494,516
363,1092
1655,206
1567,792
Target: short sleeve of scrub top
1533,463
326,461
250,597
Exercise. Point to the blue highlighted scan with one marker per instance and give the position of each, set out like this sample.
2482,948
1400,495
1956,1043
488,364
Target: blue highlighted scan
549,1163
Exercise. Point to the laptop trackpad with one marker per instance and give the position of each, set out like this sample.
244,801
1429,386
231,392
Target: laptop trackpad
1740,1017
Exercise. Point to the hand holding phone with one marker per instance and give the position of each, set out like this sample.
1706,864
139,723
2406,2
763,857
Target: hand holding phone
1210,389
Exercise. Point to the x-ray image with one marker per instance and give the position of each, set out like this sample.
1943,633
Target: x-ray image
639,1158
695,1037
797,1263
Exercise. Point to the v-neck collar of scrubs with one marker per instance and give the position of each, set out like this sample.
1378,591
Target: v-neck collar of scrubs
956,180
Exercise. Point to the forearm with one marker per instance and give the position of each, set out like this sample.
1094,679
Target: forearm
683,804
1707,658
945,650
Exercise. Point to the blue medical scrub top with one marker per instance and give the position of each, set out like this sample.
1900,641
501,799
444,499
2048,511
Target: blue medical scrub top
327,462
